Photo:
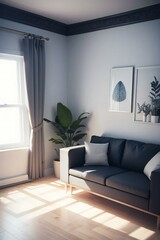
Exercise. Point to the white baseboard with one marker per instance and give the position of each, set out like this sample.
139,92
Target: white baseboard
48,172
13,180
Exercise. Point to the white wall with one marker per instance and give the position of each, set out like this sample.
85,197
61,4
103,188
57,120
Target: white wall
91,57
55,90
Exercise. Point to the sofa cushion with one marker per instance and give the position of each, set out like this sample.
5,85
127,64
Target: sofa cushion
96,154
94,173
131,182
137,154
115,146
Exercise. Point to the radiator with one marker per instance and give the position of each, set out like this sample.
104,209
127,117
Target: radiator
10,181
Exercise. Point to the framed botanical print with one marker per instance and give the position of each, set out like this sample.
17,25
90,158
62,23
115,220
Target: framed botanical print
121,89
147,94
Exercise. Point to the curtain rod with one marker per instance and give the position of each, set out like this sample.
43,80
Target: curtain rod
21,33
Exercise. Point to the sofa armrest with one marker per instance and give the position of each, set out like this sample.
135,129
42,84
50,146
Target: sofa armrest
154,205
70,157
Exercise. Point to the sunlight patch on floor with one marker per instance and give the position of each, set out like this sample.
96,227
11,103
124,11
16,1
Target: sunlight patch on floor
48,208
5,200
110,221
17,196
116,223
28,204
40,188
79,207
142,233
34,198
91,213
102,218
57,183
78,191
46,193
19,202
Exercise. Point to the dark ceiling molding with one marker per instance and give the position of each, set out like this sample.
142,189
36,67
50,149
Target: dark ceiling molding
136,16
31,19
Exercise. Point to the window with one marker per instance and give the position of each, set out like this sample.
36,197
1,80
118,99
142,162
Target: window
14,123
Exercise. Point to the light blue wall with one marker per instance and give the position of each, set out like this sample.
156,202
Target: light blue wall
55,89
91,57
78,73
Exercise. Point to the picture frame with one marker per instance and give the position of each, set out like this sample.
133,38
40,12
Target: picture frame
121,84
143,103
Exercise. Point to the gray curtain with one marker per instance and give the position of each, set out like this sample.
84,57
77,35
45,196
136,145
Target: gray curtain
34,57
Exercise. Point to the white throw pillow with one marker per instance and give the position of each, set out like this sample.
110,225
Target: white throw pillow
96,153
152,165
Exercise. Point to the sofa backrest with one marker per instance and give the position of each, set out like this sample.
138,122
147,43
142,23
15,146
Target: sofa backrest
128,154
137,154
115,150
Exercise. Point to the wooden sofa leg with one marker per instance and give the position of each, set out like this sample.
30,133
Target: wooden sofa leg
158,222
66,187
71,189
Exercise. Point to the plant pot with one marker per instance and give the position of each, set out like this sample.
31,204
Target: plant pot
149,117
154,119
56,166
144,118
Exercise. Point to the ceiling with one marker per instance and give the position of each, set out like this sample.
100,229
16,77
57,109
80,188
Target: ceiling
73,11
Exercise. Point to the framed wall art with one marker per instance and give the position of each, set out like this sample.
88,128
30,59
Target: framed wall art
147,94
121,89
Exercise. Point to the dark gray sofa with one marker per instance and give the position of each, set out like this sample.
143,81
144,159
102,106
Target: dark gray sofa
123,180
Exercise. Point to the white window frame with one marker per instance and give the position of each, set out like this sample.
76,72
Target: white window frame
22,105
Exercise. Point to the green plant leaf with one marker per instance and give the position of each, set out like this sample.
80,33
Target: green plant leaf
153,94
62,135
47,120
68,131
81,126
56,141
79,136
64,115
77,132
84,113
59,127
157,89
77,122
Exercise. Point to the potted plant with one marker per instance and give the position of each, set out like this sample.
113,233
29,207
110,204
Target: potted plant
146,109
68,131
155,100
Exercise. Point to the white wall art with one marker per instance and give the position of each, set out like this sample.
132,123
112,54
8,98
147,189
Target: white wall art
121,89
147,94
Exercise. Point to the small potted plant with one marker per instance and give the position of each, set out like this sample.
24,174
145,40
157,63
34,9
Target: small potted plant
146,109
155,100
68,131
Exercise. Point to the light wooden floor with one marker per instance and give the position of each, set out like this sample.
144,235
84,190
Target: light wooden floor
42,211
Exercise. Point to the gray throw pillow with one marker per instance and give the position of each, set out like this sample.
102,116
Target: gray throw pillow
152,165
96,154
